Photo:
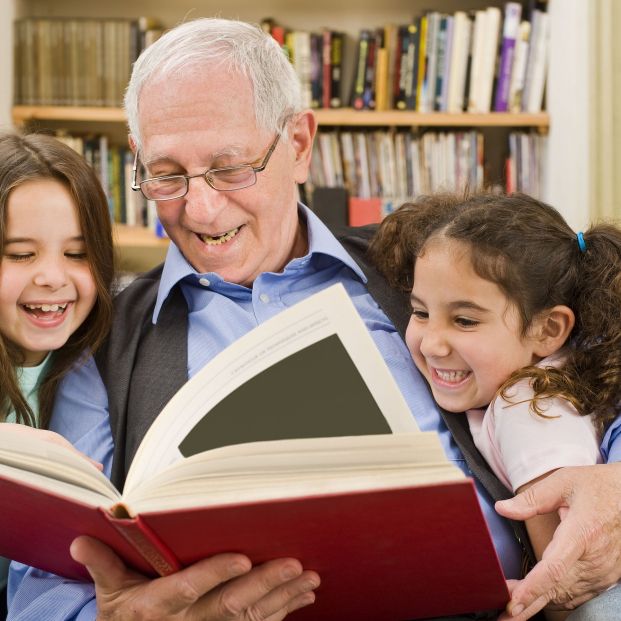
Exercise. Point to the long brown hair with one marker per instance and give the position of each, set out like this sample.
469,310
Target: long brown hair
37,156
528,250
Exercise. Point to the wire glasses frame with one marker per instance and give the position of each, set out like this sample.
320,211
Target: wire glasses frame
227,179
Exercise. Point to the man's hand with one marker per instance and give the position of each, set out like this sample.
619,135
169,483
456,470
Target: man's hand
221,588
584,556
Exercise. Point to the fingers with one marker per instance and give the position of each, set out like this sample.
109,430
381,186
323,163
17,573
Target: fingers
123,593
544,496
269,592
223,587
104,566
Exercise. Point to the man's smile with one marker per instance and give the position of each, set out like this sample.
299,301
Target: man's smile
222,238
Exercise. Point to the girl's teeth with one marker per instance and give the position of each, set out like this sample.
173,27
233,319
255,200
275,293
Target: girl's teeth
451,376
47,308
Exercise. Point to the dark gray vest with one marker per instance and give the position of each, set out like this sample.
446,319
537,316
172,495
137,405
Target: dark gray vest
143,365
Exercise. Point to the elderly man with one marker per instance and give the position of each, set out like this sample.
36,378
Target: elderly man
215,119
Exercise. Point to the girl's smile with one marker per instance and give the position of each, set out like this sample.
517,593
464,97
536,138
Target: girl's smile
46,286
464,335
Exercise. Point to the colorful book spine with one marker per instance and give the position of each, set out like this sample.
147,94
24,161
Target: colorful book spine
510,32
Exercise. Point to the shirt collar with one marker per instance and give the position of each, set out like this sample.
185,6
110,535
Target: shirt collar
320,241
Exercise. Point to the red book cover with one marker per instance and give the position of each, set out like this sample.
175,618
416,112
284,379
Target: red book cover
395,554
342,479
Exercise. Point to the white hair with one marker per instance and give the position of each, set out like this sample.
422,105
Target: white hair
240,47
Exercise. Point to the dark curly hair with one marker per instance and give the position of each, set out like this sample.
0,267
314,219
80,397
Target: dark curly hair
527,249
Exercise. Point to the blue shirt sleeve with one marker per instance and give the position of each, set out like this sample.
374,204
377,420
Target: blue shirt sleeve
611,442
81,415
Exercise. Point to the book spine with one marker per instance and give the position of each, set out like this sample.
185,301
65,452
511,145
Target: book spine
336,68
400,70
489,56
326,68
511,27
143,539
381,79
357,101
369,94
316,74
410,67
447,68
516,86
536,72
422,68
440,80
459,60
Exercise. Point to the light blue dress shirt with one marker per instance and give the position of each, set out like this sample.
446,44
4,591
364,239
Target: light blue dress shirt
611,442
219,313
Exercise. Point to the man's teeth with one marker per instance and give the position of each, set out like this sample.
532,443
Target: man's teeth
219,239
47,308
452,376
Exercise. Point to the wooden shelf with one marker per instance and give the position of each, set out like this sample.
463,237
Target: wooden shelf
407,118
24,114
333,117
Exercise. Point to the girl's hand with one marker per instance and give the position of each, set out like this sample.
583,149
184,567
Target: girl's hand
51,436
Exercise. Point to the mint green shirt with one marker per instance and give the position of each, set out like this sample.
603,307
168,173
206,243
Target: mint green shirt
29,381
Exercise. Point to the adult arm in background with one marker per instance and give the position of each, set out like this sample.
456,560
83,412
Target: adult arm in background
584,556
221,588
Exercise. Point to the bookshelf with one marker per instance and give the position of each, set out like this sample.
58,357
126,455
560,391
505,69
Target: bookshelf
566,178
325,117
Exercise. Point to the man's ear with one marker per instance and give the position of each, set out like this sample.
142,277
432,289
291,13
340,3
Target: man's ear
302,133
132,142
551,329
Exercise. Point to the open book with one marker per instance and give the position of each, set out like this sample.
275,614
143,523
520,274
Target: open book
294,441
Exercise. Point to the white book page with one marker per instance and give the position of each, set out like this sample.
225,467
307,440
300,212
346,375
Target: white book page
32,458
285,468
326,313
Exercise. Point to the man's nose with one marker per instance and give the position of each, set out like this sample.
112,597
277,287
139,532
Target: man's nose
203,203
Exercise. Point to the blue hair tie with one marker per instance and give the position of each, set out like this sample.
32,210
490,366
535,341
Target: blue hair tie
581,242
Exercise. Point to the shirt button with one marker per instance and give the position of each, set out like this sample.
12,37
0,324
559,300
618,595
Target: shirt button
264,298
204,281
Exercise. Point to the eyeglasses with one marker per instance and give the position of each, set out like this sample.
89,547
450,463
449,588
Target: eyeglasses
227,179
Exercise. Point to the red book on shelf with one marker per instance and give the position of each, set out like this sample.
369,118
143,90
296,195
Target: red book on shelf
364,211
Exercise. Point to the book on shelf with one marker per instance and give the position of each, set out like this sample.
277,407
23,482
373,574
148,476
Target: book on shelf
294,441
537,62
518,71
360,71
443,56
462,27
77,61
412,34
337,52
404,163
510,33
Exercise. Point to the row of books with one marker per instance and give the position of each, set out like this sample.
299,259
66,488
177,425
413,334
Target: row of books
467,61
378,170
317,59
80,62
474,61
403,164
113,165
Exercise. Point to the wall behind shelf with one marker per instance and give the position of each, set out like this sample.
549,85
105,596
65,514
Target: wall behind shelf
567,185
